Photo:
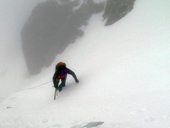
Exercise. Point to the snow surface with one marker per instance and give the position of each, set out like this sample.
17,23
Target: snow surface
123,72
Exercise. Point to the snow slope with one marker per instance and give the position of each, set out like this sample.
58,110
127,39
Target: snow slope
123,72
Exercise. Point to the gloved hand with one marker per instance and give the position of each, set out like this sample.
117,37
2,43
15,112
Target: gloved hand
77,81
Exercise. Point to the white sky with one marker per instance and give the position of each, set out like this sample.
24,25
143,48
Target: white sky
13,14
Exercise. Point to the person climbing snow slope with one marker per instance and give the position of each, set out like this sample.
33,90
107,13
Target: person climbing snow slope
60,74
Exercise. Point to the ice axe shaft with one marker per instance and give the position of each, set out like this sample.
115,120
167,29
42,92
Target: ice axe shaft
55,94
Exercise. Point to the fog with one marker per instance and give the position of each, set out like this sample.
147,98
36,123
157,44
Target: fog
13,14
124,77
33,33
53,25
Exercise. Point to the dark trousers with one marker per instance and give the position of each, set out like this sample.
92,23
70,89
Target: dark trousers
59,86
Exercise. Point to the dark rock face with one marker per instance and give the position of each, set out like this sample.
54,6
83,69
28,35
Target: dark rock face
116,9
53,25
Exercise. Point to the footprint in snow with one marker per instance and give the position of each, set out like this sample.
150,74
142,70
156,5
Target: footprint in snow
9,107
93,124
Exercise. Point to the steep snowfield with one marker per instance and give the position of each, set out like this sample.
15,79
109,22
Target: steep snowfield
123,72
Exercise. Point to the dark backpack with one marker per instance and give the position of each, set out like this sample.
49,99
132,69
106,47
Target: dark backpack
61,71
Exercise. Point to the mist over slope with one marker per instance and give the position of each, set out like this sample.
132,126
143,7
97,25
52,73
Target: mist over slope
53,25
45,22
13,70
124,78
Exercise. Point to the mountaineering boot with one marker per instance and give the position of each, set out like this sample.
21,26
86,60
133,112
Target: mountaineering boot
60,88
